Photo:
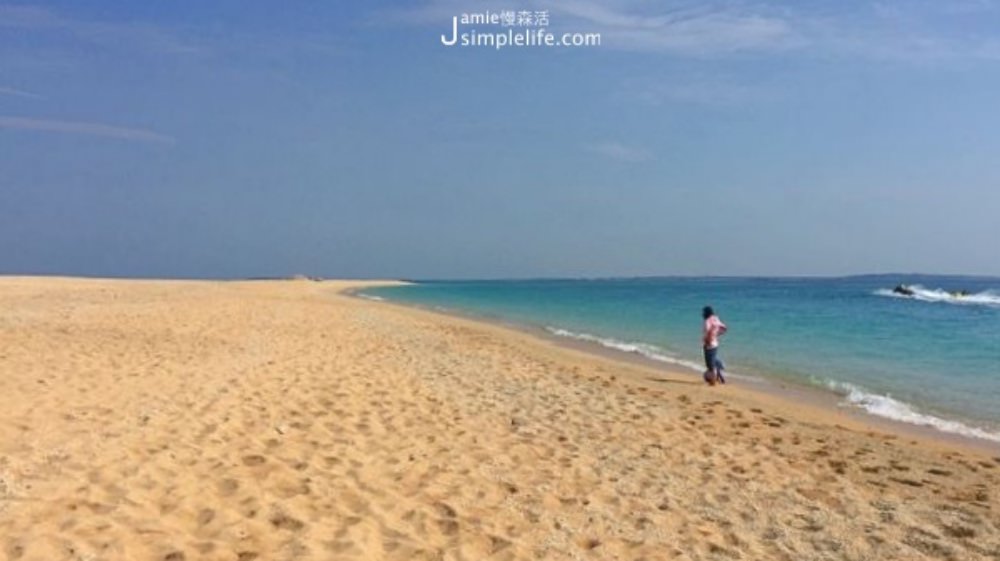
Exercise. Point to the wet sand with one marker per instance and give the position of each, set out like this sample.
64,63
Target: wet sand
173,420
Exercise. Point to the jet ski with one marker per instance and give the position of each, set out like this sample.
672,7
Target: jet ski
903,290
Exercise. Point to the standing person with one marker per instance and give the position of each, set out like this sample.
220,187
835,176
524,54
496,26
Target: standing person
712,329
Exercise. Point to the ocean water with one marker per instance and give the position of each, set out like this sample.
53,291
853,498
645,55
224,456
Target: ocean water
932,358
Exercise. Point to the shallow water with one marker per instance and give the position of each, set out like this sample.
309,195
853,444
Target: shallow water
931,359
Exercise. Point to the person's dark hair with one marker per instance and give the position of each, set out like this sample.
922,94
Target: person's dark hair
707,312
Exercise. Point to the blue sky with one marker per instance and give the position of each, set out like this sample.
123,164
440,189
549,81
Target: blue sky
229,139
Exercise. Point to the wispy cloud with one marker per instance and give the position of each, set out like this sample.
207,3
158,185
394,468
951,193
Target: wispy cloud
84,128
18,93
676,27
712,92
619,152
129,34
911,31
682,29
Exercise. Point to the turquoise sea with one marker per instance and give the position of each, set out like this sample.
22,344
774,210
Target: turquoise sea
932,358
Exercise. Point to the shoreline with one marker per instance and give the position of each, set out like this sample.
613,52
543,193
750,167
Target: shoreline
822,399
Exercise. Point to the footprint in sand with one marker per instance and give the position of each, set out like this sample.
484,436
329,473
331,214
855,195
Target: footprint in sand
959,531
205,516
448,526
14,550
253,460
284,522
445,510
228,487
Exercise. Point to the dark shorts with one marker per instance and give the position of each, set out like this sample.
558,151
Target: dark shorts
712,360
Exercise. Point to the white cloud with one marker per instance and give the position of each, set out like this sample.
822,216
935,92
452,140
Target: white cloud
85,128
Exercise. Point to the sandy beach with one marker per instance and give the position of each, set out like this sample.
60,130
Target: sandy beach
273,420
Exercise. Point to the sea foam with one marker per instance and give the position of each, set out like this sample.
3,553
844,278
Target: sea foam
891,408
874,404
643,349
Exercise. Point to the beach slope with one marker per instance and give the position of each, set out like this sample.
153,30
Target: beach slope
271,420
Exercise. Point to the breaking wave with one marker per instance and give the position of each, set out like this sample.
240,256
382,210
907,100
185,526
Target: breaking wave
874,404
643,349
890,408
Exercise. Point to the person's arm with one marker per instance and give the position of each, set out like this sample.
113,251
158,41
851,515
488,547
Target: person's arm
722,328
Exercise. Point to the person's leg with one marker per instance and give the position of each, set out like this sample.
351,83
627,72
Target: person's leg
719,367
711,374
